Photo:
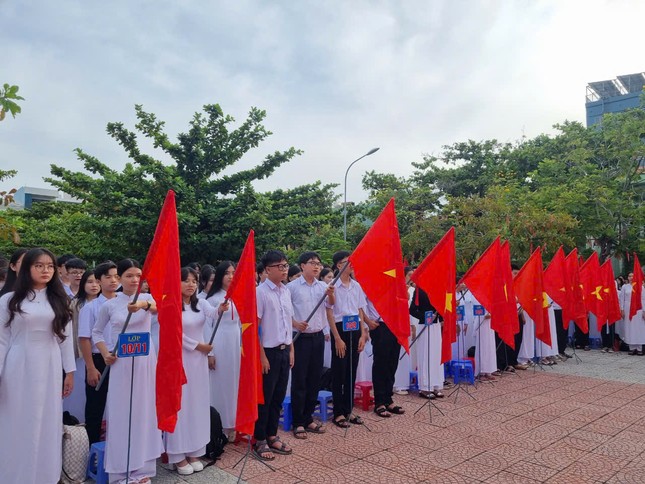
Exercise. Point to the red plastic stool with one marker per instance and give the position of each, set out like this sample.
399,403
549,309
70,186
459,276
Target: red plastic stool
365,399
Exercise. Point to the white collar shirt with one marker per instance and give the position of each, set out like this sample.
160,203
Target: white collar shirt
276,312
348,299
304,297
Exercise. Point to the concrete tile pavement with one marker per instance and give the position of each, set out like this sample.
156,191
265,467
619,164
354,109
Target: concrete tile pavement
569,423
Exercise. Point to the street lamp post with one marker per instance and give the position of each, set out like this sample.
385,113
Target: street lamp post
370,152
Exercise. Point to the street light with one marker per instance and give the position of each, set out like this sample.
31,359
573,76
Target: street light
370,152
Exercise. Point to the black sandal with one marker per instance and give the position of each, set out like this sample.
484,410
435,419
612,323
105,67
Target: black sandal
300,432
396,409
282,447
341,422
316,429
261,447
356,420
381,411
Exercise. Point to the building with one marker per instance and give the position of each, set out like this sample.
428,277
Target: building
613,96
25,197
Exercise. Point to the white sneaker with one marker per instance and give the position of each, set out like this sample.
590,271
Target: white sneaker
197,465
185,470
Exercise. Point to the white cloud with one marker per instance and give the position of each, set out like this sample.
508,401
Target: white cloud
336,78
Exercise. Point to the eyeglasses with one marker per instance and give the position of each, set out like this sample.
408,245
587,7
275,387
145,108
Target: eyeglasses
44,267
76,273
314,263
282,267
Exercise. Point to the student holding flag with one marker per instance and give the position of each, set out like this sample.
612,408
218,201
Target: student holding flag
146,444
309,347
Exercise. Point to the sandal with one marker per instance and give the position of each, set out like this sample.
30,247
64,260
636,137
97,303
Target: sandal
300,432
277,446
395,409
316,429
262,451
356,420
381,411
341,422
427,395
438,394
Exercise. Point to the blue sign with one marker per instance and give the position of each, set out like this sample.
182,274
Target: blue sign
429,318
351,323
133,344
478,310
461,312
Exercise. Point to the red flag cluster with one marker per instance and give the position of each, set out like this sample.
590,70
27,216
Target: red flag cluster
529,289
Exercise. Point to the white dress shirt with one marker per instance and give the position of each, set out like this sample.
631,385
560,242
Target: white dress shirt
276,311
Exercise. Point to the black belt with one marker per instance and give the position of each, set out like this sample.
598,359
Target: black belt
310,335
278,348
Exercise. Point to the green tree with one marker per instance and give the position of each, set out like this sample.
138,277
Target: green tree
8,97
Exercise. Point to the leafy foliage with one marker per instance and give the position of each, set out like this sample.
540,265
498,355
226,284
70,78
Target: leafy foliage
8,97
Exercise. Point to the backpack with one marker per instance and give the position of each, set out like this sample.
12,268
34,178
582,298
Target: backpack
215,447
76,451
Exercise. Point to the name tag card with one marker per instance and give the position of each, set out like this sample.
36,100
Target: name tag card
351,323
133,344
461,312
429,318
478,310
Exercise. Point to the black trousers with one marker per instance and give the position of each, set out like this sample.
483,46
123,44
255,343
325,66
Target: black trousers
608,335
507,356
344,371
274,386
309,351
386,359
95,402
580,338
562,334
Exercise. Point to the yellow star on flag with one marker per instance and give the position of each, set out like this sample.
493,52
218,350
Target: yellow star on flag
597,292
245,326
505,292
448,302
545,300
391,273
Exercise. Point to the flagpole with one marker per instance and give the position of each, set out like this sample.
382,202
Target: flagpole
116,345
311,315
219,318
425,326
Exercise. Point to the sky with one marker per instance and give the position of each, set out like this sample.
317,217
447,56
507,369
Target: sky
337,78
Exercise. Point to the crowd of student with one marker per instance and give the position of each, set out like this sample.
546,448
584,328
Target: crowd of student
41,356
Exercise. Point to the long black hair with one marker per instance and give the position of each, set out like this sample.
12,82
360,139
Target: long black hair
81,295
56,295
185,272
205,276
220,272
11,274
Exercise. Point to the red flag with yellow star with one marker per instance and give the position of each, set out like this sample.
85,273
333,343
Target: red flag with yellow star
593,289
529,289
242,293
610,294
378,267
479,278
503,313
162,271
578,311
637,288
557,285
436,276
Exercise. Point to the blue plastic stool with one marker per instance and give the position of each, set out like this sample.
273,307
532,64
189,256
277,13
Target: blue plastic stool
325,411
595,343
414,381
95,465
286,417
462,371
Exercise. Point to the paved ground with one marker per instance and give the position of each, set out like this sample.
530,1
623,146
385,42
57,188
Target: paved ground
570,423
